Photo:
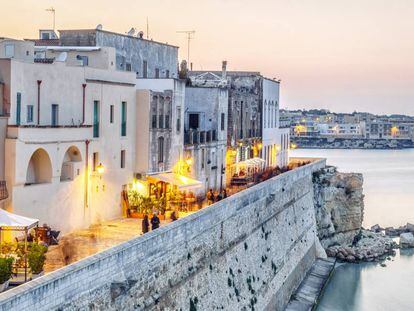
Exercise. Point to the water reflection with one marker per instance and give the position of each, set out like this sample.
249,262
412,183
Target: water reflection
369,286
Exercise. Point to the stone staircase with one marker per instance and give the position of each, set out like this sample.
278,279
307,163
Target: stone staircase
309,291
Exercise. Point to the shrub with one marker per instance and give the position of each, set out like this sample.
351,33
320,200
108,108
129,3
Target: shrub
36,261
6,265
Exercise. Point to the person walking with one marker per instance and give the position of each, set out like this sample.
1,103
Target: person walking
173,216
155,222
145,224
224,194
210,197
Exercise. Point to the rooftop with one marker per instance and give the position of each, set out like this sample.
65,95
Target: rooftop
115,33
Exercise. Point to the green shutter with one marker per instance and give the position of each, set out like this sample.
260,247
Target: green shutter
95,118
18,108
124,119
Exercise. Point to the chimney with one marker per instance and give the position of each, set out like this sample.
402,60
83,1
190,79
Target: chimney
224,69
191,66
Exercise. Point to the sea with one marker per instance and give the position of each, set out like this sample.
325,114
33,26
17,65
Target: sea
389,201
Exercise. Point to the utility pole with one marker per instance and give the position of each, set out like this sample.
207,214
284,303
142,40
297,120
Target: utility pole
189,34
53,11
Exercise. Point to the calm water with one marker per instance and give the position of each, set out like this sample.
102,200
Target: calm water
389,201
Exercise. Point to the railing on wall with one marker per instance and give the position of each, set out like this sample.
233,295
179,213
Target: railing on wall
195,137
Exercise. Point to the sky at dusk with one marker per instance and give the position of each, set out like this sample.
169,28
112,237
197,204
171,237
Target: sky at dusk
334,54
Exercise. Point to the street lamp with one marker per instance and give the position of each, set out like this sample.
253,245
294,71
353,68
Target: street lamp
100,169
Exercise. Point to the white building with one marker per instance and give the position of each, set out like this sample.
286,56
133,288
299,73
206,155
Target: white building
63,122
206,112
275,140
341,130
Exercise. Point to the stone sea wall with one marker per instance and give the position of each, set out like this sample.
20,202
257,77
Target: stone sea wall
247,252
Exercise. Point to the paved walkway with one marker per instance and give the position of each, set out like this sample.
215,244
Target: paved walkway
307,295
84,243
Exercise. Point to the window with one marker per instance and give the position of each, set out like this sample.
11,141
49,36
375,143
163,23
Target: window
45,36
122,158
95,161
9,50
194,121
111,114
18,107
124,119
96,118
55,115
157,73
160,121
144,69
167,121
154,121
128,67
203,155
29,114
223,116
83,59
160,149
178,123
167,73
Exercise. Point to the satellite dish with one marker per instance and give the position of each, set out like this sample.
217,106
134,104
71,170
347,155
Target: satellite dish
62,57
99,27
131,32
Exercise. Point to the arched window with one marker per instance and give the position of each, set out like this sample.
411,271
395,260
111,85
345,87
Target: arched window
160,149
68,170
39,169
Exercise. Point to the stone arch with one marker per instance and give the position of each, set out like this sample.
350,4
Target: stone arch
72,155
39,169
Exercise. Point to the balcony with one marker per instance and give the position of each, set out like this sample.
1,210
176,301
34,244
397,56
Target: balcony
43,134
195,137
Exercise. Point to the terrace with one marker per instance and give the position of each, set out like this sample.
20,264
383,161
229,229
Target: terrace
80,244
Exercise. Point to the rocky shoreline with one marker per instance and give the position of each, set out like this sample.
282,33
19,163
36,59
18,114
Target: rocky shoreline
339,204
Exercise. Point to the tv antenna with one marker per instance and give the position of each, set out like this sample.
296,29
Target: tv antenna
190,36
53,11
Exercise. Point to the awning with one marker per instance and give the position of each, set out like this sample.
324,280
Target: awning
10,221
250,162
182,182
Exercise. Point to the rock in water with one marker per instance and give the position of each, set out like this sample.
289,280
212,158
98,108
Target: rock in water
410,227
406,240
376,228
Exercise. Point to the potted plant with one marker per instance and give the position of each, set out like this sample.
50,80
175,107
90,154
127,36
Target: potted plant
140,205
36,258
6,265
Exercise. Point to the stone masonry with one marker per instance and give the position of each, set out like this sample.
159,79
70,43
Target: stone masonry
247,252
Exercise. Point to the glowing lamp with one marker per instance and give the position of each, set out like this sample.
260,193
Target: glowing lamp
100,169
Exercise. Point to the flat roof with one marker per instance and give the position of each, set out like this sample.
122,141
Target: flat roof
118,34
234,72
